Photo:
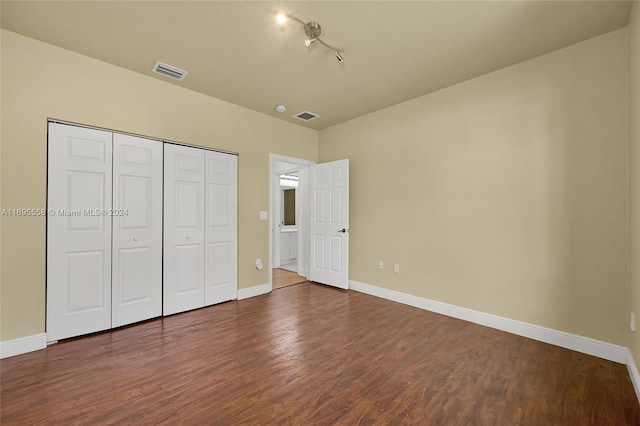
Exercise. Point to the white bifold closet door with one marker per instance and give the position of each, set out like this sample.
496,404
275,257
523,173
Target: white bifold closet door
200,228
108,262
183,228
104,230
221,224
78,233
137,229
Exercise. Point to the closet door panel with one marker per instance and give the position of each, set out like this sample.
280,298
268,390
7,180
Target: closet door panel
221,227
78,231
183,229
137,229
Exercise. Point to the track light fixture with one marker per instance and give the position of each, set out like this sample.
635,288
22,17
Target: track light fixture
312,31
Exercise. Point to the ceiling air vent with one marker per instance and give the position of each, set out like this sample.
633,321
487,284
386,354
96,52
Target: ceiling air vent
306,116
169,71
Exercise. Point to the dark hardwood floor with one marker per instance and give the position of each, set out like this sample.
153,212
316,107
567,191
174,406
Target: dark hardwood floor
313,355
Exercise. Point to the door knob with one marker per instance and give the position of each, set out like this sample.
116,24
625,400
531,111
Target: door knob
343,230
135,238
188,237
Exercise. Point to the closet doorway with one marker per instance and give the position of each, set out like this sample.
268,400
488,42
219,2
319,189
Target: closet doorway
115,254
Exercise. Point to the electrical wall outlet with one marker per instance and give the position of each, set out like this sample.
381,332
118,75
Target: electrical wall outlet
396,268
380,264
259,264
632,324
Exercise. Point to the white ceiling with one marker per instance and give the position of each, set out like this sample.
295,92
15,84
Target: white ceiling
394,50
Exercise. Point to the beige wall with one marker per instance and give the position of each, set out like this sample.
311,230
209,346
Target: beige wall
634,168
40,81
505,194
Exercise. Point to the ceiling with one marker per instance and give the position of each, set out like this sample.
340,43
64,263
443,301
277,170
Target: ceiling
393,50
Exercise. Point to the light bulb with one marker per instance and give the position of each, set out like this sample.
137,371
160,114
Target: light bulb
281,18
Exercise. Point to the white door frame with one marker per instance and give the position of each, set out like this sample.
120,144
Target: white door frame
303,247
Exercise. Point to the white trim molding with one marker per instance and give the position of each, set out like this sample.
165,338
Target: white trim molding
633,373
23,345
574,342
245,293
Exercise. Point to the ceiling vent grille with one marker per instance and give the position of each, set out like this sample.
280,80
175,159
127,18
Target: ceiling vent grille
169,71
306,116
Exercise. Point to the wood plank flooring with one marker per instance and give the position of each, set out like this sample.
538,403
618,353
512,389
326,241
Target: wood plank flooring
312,355
283,278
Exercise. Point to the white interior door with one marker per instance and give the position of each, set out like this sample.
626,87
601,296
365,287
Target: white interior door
329,228
221,227
78,231
137,229
183,229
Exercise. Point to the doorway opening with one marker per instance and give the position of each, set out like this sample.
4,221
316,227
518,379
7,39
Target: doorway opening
289,236
321,219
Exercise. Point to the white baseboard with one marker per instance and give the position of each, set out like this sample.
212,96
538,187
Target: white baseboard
574,342
23,345
633,373
245,293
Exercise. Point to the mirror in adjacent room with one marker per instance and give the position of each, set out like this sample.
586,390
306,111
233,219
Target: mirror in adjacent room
288,186
289,218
